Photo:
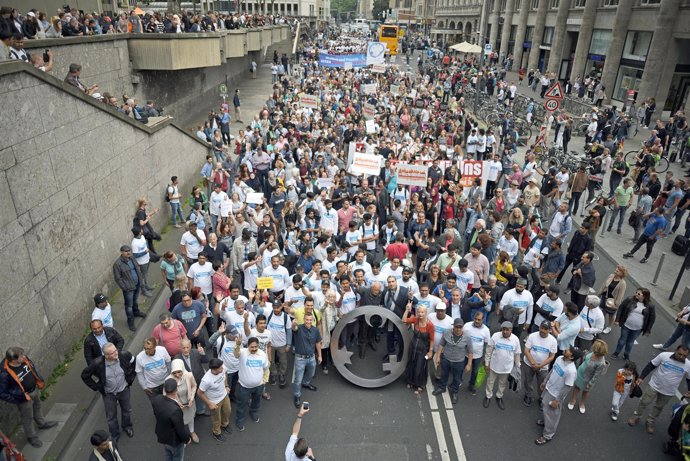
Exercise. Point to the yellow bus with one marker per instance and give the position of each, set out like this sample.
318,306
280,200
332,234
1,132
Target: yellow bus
388,34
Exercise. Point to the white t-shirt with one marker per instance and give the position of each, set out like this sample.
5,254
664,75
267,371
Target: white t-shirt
191,244
139,247
411,285
429,302
353,237
635,318
278,326
202,276
494,168
592,322
281,277
264,337
563,374
105,315
479,336
555,308
252,368
540,348
463,279
251,274
349,302
214,385
291,294
215,202
668,373
289,450
174,191
152,369
233,318
370,230
502,358
266,257
389,272
365,266
227,354
563,178
228,305
517,300
440,327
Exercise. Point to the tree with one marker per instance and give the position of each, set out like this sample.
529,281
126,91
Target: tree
343,6
379,7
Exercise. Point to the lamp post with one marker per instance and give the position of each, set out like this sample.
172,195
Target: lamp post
482,34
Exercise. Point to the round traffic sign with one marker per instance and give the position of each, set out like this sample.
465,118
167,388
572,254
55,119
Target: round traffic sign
551,105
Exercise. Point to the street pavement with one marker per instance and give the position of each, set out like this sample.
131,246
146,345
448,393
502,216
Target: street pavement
387,424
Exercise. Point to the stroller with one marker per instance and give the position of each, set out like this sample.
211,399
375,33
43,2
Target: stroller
678,444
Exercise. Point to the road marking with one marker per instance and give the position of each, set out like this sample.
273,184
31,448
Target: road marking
438,424
429,452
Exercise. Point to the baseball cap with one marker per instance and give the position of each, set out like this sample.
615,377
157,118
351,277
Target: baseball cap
458,322
100,298
545,324
407,269
231,330
521,281
440,307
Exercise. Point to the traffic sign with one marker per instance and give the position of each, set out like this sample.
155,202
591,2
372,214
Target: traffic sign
555,92
223,88
551,105
488,48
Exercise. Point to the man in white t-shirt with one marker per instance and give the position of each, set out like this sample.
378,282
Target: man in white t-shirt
297,448
424,299
667,371
213,390
281,277
442,323
215,204
479,335
502,354
540,350
557,387
548,307
200,274
192,243
140,252
174,197
521,301
241,319
253,374
102,310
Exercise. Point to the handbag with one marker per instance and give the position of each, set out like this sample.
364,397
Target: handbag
636,391
481,377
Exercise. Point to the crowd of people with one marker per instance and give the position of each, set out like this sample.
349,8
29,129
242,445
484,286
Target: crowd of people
474,270
71,22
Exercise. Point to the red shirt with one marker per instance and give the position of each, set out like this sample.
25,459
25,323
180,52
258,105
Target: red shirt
344,218
170,338
397,250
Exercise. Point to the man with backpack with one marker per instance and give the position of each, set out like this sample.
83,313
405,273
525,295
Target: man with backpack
172,196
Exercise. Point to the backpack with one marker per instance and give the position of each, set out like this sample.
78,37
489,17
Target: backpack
166,196
285,323
216,350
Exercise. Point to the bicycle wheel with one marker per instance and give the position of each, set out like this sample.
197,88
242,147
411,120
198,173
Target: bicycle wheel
662,165
630,156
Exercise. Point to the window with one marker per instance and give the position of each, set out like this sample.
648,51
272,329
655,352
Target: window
554,4
601,40
650,2
535,4
610,2
628,79
503,5
528,33
637,45
580,3
518,5
513,33
548,36
389,32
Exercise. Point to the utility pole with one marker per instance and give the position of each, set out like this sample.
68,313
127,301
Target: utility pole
482,38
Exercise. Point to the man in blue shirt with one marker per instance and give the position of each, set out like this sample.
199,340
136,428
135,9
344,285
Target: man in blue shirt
653,229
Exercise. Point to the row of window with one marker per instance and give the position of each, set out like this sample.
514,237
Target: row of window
553,4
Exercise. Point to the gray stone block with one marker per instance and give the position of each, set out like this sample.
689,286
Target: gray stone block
40,212
16,270
7,210
25,150
61,295
7,159
30,181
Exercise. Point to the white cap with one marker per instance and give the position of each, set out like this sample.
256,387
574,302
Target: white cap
31,13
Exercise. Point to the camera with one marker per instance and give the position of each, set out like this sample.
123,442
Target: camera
305,405
46,56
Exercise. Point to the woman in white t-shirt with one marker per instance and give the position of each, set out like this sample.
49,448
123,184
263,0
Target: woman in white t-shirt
635,316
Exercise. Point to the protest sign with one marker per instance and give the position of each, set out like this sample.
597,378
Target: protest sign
308,100
255,197
412,175
366,164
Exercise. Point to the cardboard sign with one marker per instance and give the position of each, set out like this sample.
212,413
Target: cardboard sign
395,89
370,126
264,283
226,207
369,111
324,182
366,164
378,68
412,175
308,100
255,197
471,170
369,88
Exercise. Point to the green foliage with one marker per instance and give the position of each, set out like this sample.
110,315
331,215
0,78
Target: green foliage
63,367
343,5
379,7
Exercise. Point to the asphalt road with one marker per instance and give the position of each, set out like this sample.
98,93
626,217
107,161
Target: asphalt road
394,424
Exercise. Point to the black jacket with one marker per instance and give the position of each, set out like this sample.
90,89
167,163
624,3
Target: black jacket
123,275
578,245
196,359
92,349
94,374
399,303
170,426
649,314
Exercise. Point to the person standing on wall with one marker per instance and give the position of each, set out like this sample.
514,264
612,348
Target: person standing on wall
236,103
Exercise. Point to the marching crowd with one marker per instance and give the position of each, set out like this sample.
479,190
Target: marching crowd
288,237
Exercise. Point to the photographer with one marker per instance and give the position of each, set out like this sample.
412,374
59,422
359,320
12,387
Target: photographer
297,447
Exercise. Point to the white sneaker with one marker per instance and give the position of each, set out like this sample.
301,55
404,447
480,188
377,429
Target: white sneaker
659,346
570,406
607,330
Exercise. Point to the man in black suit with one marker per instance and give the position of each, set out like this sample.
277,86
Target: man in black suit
113,385
395,299
171,430
193,360
100,335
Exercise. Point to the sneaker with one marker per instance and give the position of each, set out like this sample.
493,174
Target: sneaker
540,422
607,330
240,428
499,402
219,437
486,402
582,409
454,398
627,255
35,442
614,416
634,420
281,381
571,406
325,370
273,380
227,429
140,315
650,427
643,260
614,355
47,425
618,231
177,226
659,346
256,419
527,401
473,391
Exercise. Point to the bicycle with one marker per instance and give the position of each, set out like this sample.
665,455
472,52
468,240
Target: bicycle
660,165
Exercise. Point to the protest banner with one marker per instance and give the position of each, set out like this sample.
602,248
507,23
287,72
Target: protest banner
369,111
366,164
369,88
412,175
378,68
370,126
395,89
376,53
255,197
309,100
340,60
264,283
324,182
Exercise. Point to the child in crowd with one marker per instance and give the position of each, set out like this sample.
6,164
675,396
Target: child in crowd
625,381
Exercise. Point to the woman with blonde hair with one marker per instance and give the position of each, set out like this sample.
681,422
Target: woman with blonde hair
515,220
328,321
593,366
612,292
186,391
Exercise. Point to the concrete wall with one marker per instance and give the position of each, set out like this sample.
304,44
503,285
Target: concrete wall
70,173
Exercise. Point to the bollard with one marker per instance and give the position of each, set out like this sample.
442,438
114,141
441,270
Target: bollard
658,268
603,224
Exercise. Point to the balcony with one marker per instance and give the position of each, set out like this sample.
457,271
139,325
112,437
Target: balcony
174,51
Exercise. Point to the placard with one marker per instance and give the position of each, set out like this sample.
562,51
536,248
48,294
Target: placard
226,207
309,100
471,170
412,175
395,89
370,126
378,68
264,283
369,88
324,182
366,164
255,197
369,111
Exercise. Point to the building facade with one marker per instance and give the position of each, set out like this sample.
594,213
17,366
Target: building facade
457,21
639,48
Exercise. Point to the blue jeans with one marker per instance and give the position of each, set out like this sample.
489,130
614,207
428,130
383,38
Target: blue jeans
627,339
620,211
251,395
304,372
476,363
233,381
131,303
174,453
457,368
176,211
680,331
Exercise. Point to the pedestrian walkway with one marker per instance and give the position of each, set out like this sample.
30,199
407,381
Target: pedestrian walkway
69,401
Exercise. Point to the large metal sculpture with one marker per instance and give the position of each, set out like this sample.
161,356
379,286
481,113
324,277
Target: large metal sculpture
341,356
